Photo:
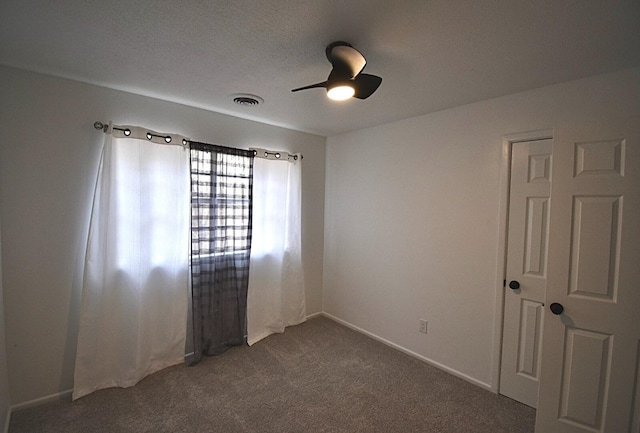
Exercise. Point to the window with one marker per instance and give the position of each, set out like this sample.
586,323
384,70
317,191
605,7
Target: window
220,203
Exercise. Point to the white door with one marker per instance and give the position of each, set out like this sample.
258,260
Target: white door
590,363
526,269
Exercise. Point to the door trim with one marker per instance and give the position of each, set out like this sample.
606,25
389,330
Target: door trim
501,262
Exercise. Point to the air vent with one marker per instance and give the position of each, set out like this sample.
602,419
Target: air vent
247,100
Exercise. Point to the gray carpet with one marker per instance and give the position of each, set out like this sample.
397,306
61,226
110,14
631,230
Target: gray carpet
316,377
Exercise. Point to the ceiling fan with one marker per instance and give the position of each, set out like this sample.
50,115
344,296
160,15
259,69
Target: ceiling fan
346,79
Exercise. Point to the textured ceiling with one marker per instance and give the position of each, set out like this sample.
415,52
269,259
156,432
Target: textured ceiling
432,54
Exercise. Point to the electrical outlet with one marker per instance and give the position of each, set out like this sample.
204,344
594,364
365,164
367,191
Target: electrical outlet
423,326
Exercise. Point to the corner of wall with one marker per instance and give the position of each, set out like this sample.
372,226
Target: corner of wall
5,410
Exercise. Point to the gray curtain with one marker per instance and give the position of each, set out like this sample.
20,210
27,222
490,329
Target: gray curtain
221,194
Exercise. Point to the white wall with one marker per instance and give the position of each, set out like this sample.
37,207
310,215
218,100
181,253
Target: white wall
412,218
4,376
48,162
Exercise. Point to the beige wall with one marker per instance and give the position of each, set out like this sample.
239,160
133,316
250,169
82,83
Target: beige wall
48,162
412,219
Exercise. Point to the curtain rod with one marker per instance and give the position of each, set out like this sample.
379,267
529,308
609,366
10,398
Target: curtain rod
128,131
167,138
274,154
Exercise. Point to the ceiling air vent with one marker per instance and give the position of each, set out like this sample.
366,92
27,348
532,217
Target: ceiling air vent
247,100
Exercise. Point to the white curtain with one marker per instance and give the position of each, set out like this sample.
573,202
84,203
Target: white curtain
276,297
135,293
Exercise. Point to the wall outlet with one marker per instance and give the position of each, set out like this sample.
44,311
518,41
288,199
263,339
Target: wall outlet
423,326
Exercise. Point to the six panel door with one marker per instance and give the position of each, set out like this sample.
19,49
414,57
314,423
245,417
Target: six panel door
590,363
526,276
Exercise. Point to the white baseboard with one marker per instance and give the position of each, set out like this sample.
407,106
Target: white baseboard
311,316
7,421
64,395
411,353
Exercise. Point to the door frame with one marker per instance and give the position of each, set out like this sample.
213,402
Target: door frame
503,227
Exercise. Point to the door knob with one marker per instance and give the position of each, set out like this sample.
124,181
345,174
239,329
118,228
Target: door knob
556,308
514,285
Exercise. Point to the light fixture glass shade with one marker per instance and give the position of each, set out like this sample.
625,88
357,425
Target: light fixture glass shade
340,92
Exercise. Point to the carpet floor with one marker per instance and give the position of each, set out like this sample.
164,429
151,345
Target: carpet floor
316,377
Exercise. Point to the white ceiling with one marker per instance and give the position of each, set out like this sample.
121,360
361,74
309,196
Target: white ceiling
432,54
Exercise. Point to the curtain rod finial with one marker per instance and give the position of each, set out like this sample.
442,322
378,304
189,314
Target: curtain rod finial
99,125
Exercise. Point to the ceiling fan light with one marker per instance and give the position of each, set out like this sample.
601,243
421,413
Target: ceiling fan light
340,92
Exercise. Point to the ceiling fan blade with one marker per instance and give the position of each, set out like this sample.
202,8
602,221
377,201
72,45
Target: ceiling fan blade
311,86
345,59
365,85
